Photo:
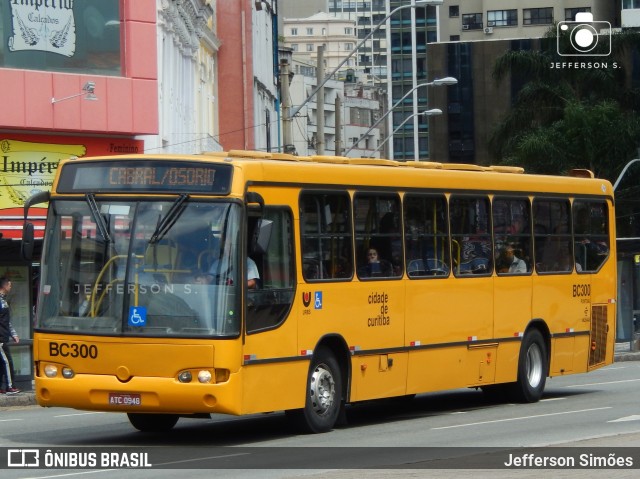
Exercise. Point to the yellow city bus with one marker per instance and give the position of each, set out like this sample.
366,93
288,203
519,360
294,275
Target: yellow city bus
486,277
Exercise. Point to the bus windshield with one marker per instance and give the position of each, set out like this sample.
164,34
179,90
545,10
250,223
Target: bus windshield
143,268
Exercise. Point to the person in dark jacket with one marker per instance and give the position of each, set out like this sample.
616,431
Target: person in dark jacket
7,333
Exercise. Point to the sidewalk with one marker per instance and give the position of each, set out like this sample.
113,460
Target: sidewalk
27,398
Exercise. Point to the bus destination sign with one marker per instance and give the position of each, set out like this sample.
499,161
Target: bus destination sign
146,176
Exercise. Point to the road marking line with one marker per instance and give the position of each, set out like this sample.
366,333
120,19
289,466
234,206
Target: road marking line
628,418
9,420
521,418
602,384
80,414
224,456
71,474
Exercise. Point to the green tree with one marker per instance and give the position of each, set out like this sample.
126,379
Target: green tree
570,112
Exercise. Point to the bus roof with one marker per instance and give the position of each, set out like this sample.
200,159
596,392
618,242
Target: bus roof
320,171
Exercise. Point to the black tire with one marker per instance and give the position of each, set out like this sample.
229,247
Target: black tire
323,395
152,422
532,368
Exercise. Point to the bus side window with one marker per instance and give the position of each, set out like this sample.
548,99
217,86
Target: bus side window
325,229
377,224
269,304
591,234
512,235
554,249
471,235
426,236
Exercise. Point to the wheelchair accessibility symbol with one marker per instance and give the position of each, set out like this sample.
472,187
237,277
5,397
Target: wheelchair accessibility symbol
137,316
317,303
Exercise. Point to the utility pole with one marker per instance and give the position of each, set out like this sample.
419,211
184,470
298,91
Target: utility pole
287,132
338,126
320,103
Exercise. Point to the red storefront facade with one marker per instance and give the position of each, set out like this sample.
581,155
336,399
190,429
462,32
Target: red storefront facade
79,78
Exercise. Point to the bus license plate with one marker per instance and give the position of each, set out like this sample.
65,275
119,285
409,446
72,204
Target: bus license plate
124,399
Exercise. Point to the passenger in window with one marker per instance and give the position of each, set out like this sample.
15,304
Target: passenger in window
375,266
508,262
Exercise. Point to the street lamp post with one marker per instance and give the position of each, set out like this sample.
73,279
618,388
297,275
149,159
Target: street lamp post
437,82
427,113
294,111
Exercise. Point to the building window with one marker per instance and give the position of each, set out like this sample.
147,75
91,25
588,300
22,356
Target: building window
309,31
294,32
472,21
348,31
348,47
454,38
537,16
629,4
454,11
502,18
294,47
570,13
309,47
71,37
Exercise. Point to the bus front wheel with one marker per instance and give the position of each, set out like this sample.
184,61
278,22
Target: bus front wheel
152,422
532,368
323,395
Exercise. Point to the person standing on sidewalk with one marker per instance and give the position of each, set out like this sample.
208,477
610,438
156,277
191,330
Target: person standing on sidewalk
7,333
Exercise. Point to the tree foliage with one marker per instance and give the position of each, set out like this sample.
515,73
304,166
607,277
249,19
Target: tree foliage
570,112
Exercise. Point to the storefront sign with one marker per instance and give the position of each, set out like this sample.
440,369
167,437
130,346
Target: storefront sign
50,29
28,164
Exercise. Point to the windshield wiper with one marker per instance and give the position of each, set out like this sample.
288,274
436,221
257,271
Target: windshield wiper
169,219
97,217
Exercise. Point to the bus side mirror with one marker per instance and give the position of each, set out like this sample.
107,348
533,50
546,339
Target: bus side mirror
26,247
261,236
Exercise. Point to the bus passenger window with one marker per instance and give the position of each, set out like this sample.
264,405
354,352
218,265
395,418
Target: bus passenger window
553,244
378,232
512,235
426,240
471,236
591,234
325,225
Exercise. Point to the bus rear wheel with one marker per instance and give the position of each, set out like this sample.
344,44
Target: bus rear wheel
323,395
152,422
532,368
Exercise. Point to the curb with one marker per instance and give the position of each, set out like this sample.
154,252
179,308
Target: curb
28,398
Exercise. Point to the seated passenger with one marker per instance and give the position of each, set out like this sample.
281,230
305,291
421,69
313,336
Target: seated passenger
508,262
375,267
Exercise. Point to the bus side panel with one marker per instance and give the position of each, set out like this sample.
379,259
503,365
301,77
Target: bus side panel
280,384
274,386
436,369
563,356
379,375
512,309
564,314
447,315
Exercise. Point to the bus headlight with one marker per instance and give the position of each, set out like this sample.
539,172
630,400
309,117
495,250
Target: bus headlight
204,376
67,373
185,377
51,370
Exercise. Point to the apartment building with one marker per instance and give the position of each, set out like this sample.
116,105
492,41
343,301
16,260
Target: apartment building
473,20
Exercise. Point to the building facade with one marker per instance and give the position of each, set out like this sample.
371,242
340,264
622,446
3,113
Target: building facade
79,78
187,47
473,20
248,66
